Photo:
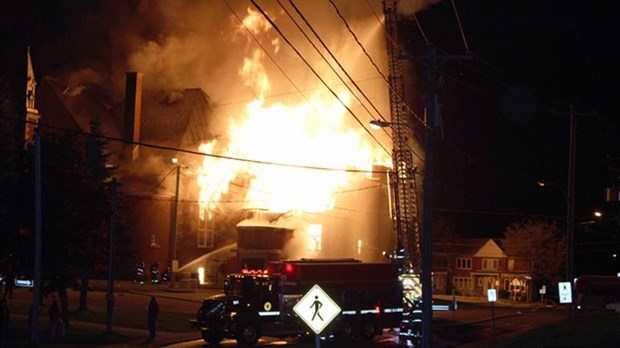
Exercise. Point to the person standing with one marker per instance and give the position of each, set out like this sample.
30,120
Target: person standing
4,323
56,325
9,284
152,311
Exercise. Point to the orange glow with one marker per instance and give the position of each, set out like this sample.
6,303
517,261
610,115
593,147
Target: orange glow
316,132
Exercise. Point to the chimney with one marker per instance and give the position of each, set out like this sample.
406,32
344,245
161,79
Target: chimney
133,108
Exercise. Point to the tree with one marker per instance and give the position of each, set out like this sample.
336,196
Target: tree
76,208
97,176
445,235
540,241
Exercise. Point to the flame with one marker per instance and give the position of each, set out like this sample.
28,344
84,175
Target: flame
299,137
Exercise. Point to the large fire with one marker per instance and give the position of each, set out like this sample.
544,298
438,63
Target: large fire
299,152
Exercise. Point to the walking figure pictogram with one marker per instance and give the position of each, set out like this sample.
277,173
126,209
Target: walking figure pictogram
317,305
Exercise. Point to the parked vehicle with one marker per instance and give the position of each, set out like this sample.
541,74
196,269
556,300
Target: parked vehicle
257,302
596,291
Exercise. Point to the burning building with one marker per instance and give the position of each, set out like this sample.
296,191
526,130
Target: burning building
271,162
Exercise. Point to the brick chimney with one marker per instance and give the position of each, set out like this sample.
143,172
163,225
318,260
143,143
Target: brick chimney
133,108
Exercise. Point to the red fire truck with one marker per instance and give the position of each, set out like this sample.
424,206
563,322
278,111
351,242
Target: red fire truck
256,302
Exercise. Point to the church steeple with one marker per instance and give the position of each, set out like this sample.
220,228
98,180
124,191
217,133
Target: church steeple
32,114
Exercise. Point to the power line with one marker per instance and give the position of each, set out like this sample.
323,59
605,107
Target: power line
193,152
276,28
333,57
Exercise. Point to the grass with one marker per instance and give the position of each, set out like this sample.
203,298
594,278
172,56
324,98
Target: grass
595,329
91,335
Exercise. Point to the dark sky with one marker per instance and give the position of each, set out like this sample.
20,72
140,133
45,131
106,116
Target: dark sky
503,114
505,122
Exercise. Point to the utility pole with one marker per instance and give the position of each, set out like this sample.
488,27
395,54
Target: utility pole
110,296
570,195
431,59
173,235
36,291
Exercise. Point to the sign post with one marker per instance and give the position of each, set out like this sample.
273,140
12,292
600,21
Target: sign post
565,291
492,297
317,310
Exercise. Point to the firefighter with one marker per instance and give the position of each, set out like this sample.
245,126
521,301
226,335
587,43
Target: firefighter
155,273
165,275
139,273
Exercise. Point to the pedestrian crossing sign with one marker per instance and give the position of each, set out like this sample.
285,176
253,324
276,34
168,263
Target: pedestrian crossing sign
317,309
565,291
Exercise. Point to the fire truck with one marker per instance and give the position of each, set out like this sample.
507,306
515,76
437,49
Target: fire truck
256,302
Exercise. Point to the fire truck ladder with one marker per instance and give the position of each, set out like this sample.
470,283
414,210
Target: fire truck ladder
404,185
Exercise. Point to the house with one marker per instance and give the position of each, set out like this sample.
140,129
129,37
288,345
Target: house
170,120
167,221
471,266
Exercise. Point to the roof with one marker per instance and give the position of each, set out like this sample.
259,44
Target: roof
177,118
478,247
73,107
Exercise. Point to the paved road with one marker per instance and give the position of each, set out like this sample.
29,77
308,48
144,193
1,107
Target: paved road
469,325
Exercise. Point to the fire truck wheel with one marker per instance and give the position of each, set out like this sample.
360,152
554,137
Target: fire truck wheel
346,330
213,338
368,328
248,332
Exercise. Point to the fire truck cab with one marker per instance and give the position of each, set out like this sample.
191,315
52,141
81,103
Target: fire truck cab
250,299
369,294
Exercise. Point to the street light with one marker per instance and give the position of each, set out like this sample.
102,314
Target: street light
378,124
427,230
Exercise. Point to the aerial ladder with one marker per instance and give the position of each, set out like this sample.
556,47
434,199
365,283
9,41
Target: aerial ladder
405,207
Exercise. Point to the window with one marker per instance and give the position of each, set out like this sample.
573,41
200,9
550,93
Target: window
441,262
511,264
206,231
439,281
461,283
154,241
463,263
490,264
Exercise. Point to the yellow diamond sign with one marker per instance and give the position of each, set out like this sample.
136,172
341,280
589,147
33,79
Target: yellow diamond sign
317,309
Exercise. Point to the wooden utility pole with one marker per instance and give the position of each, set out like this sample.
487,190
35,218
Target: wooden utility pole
112,233
36,291
431,59
570,194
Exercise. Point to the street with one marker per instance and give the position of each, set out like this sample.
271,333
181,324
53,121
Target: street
470,326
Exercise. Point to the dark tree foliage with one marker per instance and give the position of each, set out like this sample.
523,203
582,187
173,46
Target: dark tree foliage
542,242
11,187
76,209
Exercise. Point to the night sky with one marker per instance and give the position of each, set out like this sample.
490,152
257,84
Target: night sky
503,114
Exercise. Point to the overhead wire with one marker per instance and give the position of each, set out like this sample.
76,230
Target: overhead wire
458,20
194,152
389,85
342,68
551,99
469,157
279,66
387,81
318,76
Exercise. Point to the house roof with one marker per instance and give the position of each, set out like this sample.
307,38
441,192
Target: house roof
478,247
490,249
74,107
178,119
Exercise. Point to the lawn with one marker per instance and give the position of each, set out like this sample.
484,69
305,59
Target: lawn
594,329
89,335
